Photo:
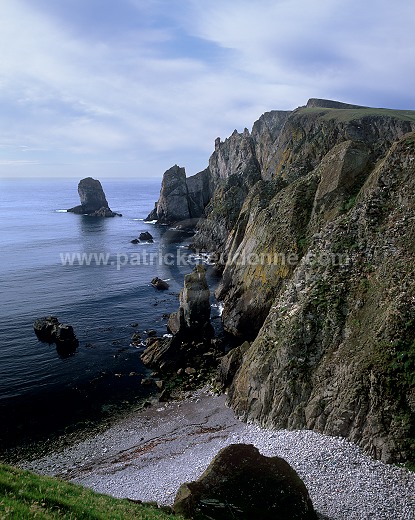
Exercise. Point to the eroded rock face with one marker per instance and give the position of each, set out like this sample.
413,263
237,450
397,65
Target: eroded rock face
328,355
243,484
93,200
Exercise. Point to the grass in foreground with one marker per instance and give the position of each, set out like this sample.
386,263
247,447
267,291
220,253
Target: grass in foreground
25,495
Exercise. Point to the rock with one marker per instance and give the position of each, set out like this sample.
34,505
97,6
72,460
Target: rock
146,381
230,363
135,241
332,340
65,336
190,371
50,330
159,384
93,200
159,284
146,237
182,199
193,316
151,333
45,328
136,339
172,205
165,396
241,483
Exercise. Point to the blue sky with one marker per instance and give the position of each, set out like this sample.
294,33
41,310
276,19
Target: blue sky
128,88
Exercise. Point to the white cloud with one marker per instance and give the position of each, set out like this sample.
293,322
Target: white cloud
147,96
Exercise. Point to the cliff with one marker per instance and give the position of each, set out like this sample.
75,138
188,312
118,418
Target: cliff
181,198
311,217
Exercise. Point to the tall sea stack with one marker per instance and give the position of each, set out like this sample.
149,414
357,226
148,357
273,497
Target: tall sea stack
93,200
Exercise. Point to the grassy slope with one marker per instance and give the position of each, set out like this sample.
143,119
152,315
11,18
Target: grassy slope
25,495
351,114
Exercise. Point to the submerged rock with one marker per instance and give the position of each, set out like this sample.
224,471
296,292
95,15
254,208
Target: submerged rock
241,483
93,200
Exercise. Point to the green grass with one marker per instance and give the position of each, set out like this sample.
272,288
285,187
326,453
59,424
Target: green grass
25,495
351,114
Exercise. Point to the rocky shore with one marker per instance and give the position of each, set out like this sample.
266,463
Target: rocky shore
147,455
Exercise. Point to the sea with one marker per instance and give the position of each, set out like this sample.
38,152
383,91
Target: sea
85,271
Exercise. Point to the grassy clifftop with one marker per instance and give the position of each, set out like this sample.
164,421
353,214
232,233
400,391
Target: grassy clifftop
353,114
25,495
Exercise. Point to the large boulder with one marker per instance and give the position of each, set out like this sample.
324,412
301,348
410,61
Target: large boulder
241,483
93,200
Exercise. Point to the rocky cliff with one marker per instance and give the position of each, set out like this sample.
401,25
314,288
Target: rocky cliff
182,199
312,219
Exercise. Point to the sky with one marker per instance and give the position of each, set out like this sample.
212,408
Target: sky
128,88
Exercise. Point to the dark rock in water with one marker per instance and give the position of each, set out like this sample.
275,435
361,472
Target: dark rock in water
50,330
45,328
241,483
193,315
146,237
135,241
159,284
93,200
65,335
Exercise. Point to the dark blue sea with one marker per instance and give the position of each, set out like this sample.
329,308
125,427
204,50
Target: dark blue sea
44,257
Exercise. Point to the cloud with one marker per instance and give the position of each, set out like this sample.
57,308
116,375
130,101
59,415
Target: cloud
152,83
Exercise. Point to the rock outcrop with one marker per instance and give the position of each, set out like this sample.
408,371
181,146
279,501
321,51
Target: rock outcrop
191,328
181,198
50,330
159,284
241,483
193,316
93,200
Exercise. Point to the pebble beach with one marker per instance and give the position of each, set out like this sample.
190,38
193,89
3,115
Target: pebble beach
148,454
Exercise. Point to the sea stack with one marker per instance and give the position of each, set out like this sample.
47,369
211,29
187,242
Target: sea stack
93,200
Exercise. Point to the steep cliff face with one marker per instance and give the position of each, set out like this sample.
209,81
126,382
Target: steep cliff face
337,350
312,215
234,169
182,198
